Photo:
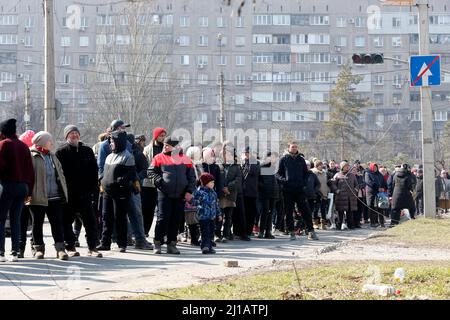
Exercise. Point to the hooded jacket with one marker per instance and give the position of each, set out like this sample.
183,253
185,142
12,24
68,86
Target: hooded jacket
292,173
172,174
205,199
402,186
120,169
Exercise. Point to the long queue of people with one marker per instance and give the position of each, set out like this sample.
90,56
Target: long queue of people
209,194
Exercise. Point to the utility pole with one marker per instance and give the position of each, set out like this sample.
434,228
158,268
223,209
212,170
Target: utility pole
26,116
222,108
49,83
427,119
221,95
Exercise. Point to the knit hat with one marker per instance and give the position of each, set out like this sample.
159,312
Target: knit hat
157,132
68,129
41,138
171,141
120,141
206,178
343,164
26,137
8,127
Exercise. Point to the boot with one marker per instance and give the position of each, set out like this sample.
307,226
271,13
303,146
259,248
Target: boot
72,251
61,251
157,249
323,224
172,248
39,251
316,223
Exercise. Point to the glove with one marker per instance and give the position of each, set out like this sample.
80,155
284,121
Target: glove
137,187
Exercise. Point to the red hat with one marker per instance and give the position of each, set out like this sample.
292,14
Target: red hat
157,132
206,178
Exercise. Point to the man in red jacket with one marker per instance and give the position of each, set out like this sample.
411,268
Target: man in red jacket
17,180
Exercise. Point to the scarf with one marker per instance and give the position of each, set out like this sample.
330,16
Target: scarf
42,150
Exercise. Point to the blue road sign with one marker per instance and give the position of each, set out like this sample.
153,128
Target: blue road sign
425,71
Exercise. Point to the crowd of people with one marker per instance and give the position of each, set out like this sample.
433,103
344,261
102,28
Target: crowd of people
205,195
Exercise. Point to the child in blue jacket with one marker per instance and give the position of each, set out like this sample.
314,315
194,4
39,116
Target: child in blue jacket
205,198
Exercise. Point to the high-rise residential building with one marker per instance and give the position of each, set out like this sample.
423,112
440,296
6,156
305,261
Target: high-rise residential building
280,60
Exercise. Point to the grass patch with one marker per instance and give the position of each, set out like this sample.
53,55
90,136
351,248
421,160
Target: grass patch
418,233
337,281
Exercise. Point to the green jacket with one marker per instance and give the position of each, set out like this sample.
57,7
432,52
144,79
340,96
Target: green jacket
39,196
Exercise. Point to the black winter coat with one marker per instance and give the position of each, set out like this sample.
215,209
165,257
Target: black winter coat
269,187
374,181
80,170
312,185
418,194
214,170
250,182
402,186
141,162
292,173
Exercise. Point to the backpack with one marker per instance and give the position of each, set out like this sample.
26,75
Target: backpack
382,200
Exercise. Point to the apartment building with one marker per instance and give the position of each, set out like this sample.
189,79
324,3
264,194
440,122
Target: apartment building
280,59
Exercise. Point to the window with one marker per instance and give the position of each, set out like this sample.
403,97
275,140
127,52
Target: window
82,98
379,80
397,63
262,58
184,41
301,77
81,117
222,61
313,58
360,41
440,115
397,98
341,22
65,60
221,22
282,39
320,116
84,22
8,58
65,41
360,22
84,41
84,60
396,41
203,22
66,78
378,99
28,41
203,41
240,79
282,77
104,20
202,60
8,39
262,38
184,60
202,78
5,96
7,77
184,98
29,22
185,21
279,116
240,22
240,41
282,96
124,20
281,20
300,20
168,20
240,60
319,20
376,22
262,20
416,116
8,20
201,117
239,117
203,98
281,57
341,41
239,99
103,39
321,77
396,22
185,79
29,61
262,77
378,41
122,40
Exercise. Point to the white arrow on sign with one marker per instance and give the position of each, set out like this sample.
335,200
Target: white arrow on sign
425,75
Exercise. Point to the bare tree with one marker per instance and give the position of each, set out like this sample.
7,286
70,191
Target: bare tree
134,80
